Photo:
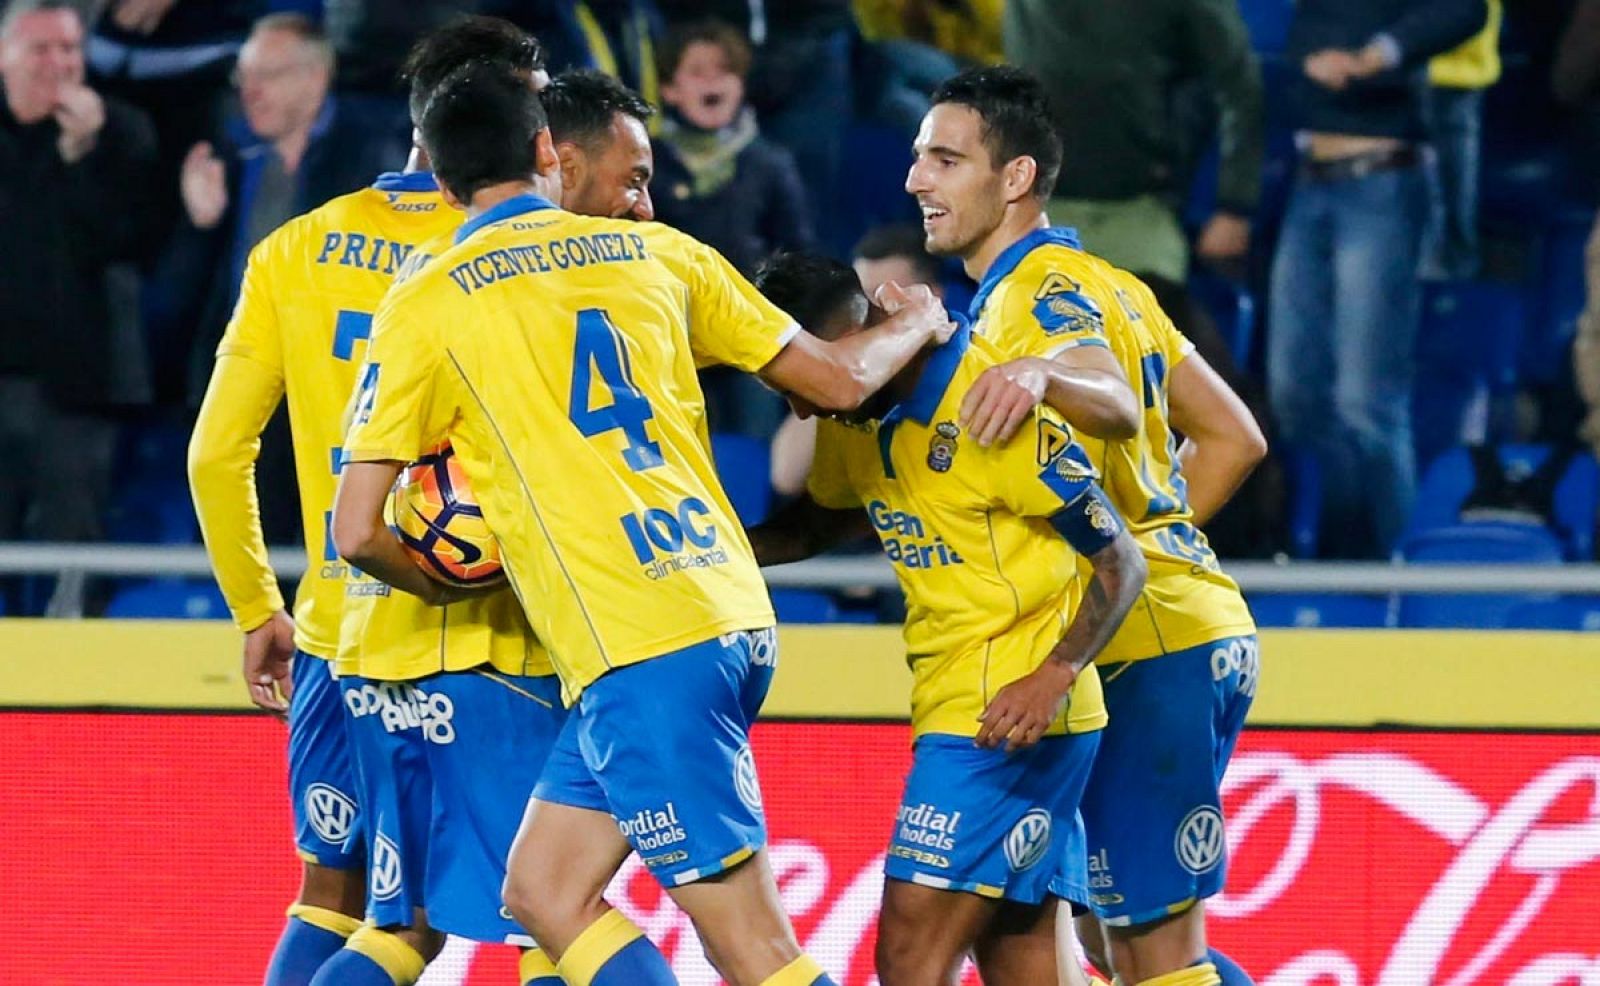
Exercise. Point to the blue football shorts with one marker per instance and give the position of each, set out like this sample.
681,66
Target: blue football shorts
1153,807
663,746
992,823
446,765
322,788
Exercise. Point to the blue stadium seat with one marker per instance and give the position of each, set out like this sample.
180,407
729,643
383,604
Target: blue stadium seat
745,467
804,606
873,193
1449,480
1480,544
1319,610
150,501
1561,613
169,599
1232,307
1468,342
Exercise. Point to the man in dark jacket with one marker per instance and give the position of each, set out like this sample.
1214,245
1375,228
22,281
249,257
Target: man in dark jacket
76,197
293,150
1345,295
719,181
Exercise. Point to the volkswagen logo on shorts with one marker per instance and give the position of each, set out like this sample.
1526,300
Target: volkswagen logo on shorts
745,780
1200,841
385,875
331,812
1028,840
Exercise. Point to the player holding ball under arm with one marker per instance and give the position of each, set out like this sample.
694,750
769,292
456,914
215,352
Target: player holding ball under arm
541,337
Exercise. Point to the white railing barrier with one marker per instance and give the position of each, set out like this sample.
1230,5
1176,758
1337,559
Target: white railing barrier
1349,578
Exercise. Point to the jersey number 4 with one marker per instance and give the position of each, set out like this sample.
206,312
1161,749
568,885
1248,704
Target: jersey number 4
600,349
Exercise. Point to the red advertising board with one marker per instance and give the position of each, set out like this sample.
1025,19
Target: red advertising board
153,849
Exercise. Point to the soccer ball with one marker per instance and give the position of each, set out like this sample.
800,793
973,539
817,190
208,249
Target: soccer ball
441,525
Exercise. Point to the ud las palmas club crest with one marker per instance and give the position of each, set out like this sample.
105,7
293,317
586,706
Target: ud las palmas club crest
942,446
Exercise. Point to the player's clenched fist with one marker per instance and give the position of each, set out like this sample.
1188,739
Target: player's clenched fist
1020,712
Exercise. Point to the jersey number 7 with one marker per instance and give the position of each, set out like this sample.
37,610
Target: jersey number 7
599,349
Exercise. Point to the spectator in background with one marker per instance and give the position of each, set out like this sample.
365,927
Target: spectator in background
76,197
1112,71
292,151
720,182
1345,295
171,58
967,29
1575,79
895,253
617,37
716,178
1453,113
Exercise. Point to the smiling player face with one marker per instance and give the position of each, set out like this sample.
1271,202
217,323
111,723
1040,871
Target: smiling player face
956,182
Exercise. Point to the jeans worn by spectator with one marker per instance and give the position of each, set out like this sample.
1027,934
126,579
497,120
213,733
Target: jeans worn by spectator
1454,118
1344,313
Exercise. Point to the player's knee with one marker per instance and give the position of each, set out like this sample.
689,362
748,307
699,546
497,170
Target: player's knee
905,959
530,908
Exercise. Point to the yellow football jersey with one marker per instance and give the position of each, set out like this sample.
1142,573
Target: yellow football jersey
1045,295
990,585
558,353
304,314
394,636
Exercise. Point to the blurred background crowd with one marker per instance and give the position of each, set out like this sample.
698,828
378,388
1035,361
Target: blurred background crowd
1374,217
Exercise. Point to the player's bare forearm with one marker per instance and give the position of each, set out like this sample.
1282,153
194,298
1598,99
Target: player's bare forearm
363,539
802,530
1023,711
1119,576
1097,402
841,375
1222,442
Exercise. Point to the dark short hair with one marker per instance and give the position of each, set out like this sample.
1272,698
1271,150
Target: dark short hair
480,128
468,38
581,103
900,240
735,46
1015,114
809,286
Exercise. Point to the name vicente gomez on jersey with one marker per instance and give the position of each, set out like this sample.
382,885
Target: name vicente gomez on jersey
542,258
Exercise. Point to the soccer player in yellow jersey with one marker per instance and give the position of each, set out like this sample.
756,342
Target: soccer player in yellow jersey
304,314
455,707
1000,635
557,352
1181,673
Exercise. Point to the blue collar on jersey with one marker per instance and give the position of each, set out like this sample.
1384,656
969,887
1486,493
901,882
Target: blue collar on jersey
406,181
1012,255
937,373
514,206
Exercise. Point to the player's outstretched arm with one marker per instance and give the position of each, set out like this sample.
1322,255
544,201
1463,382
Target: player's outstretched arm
804,529
1222,444
1022,711
363,539
841,375
1084,384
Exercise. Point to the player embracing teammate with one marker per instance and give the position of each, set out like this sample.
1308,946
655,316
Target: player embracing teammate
1180,674
557,354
